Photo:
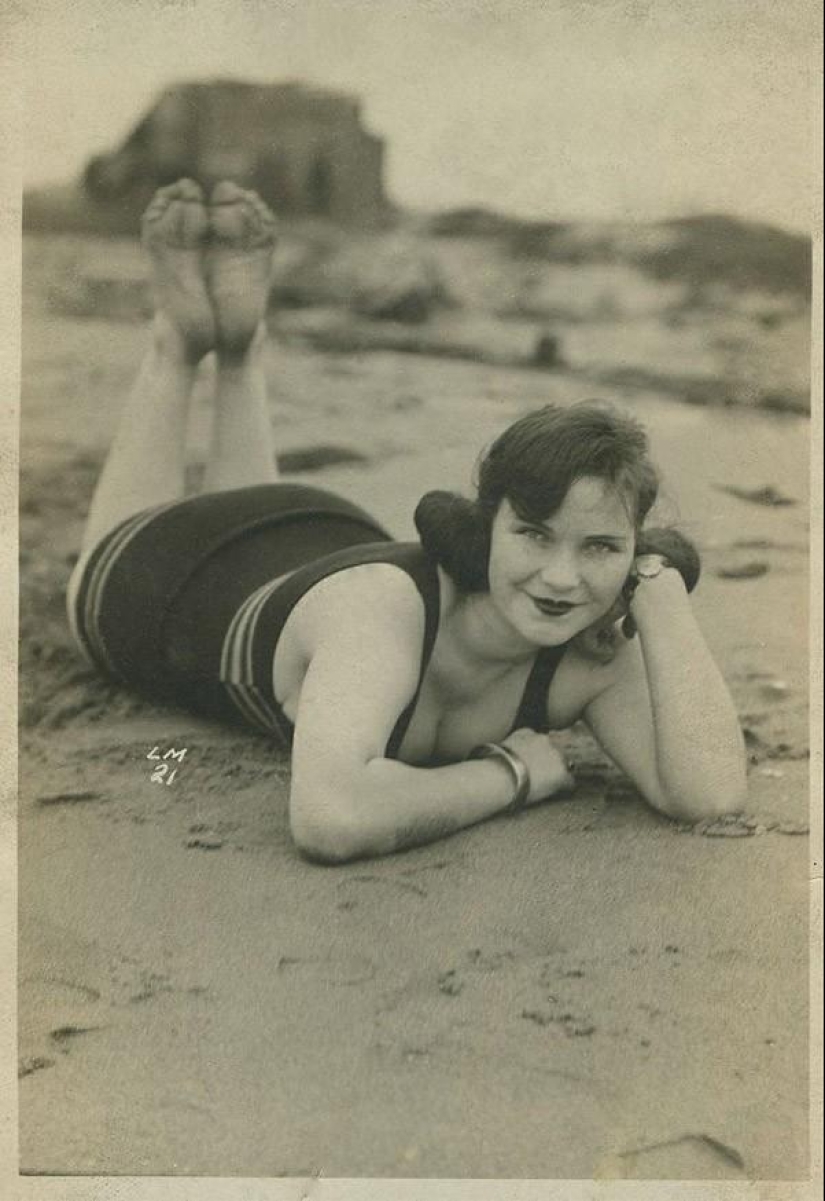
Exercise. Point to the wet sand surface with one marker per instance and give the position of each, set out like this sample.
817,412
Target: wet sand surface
586,991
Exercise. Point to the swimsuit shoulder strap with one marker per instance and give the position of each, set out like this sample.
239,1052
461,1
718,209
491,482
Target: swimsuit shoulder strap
532,711
424,573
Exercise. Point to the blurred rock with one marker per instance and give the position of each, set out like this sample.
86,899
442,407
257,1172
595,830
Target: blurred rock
314,458
744,571
758,496
774,690
397,281
303,148
548,352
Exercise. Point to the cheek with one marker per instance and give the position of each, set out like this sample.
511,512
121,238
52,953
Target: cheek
498,576
506,564
607,579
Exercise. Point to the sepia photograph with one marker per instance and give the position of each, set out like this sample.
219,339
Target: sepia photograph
413,722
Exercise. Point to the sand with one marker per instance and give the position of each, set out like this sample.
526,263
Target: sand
588,990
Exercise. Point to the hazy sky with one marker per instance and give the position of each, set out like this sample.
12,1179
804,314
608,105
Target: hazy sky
553,108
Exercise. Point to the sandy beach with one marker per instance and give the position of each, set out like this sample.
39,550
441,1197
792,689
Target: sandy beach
586,991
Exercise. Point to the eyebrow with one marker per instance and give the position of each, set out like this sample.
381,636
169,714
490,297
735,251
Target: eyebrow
545,524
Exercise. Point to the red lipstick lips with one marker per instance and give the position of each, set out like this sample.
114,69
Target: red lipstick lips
552,608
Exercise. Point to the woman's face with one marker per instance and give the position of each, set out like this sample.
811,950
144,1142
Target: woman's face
552,579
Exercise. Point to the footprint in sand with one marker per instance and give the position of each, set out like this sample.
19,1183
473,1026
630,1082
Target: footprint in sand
390,882
328,969
79,797
60,989
490,961
450,983
63,1036
690,1156
71,1010
152,984
732,825
32,1064
204,843
568,1024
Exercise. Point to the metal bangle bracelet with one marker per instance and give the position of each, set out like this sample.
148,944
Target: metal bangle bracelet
516,766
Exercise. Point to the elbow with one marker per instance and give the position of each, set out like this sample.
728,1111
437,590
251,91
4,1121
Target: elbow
718,800
325,835
697,810
329,845
709,788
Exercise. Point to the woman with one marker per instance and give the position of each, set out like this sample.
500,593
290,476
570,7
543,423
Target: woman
415,683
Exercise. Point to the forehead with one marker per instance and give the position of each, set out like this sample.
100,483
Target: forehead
591,504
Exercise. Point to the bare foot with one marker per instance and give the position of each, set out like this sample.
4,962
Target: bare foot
174,231
239,264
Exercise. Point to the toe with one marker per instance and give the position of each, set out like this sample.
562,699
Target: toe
226,222
157,206
251,221
171,228
193,224
265,215
184,189
165,195
226,192
188,189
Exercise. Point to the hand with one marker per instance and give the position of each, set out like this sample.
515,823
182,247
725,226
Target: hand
665,548
654,595
549,771
673,549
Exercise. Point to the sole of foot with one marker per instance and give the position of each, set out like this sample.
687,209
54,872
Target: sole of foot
238,264
174,232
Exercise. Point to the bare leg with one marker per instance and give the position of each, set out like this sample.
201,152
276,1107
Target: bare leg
238,275
145,465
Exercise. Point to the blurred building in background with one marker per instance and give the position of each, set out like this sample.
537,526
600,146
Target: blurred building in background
303,149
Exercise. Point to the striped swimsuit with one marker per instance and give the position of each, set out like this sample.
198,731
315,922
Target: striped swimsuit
186,601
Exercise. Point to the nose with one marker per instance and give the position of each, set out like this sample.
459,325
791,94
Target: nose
560,573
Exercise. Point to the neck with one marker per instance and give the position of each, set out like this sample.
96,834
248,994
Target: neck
483,634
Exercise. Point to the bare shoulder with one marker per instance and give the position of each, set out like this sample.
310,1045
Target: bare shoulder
356,658
581,678
378,599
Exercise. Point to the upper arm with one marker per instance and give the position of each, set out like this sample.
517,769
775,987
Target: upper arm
364,664
620,717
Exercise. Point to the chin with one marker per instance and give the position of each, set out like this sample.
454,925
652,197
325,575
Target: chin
544,632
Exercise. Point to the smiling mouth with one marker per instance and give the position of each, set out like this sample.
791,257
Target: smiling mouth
551,608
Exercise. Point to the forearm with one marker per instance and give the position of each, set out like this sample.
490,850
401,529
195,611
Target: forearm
699,749
388,806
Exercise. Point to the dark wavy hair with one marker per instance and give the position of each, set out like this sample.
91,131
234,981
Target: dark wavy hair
532,465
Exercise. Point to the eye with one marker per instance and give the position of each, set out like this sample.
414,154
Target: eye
533,533
603,546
